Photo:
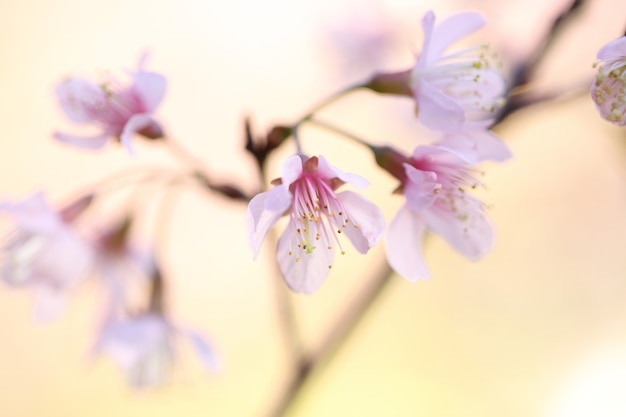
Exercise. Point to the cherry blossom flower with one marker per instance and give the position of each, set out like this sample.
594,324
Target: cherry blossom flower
435,183
43,251
116,109
317,216
451,89
609,88
144,347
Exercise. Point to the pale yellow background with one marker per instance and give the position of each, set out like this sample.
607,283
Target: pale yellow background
536,328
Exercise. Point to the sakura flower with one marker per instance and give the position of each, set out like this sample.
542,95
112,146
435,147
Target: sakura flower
144,347
44,252
451,89
317,216
476,144
435,183
609,88
117,110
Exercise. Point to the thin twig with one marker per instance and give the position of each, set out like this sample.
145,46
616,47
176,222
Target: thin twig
344,328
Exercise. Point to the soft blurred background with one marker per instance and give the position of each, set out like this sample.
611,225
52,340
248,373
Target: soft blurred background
536,328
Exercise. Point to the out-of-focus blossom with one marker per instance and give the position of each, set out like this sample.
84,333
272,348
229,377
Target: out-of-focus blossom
363,37
435,183
476,144
144,346
608,90
43,251
456,87
117,110
317,216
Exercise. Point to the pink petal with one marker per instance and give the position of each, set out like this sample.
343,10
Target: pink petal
466,228
263,212
63,261
203,349
436,110
330,171
150,87
366,216
436,155
309,271
613,50
421,189
128,340
452,29
33,214
404,245
292,169
135,124
91,143
79,97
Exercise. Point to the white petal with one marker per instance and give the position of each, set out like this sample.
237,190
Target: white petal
452,29
428,24
476,146
367,223
421,189
404,245
303,271
615,49
466,228
436,110
259,218
150,87
33,214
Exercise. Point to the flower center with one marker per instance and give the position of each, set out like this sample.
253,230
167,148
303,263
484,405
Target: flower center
610,92
317,216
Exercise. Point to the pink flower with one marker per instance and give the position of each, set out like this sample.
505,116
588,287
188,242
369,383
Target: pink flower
476,144
609,89
317,216
144,347
117,110
43,251
453,88
435,183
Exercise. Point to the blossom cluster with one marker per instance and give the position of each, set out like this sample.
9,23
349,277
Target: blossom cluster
458,94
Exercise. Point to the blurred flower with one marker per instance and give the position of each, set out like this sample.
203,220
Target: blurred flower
476,144
118,110
362,38
43,251
435,183
306,193
453,88
144,347
609,88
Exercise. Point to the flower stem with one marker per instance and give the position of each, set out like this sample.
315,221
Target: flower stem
329,100
349,321
319,106
340,131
